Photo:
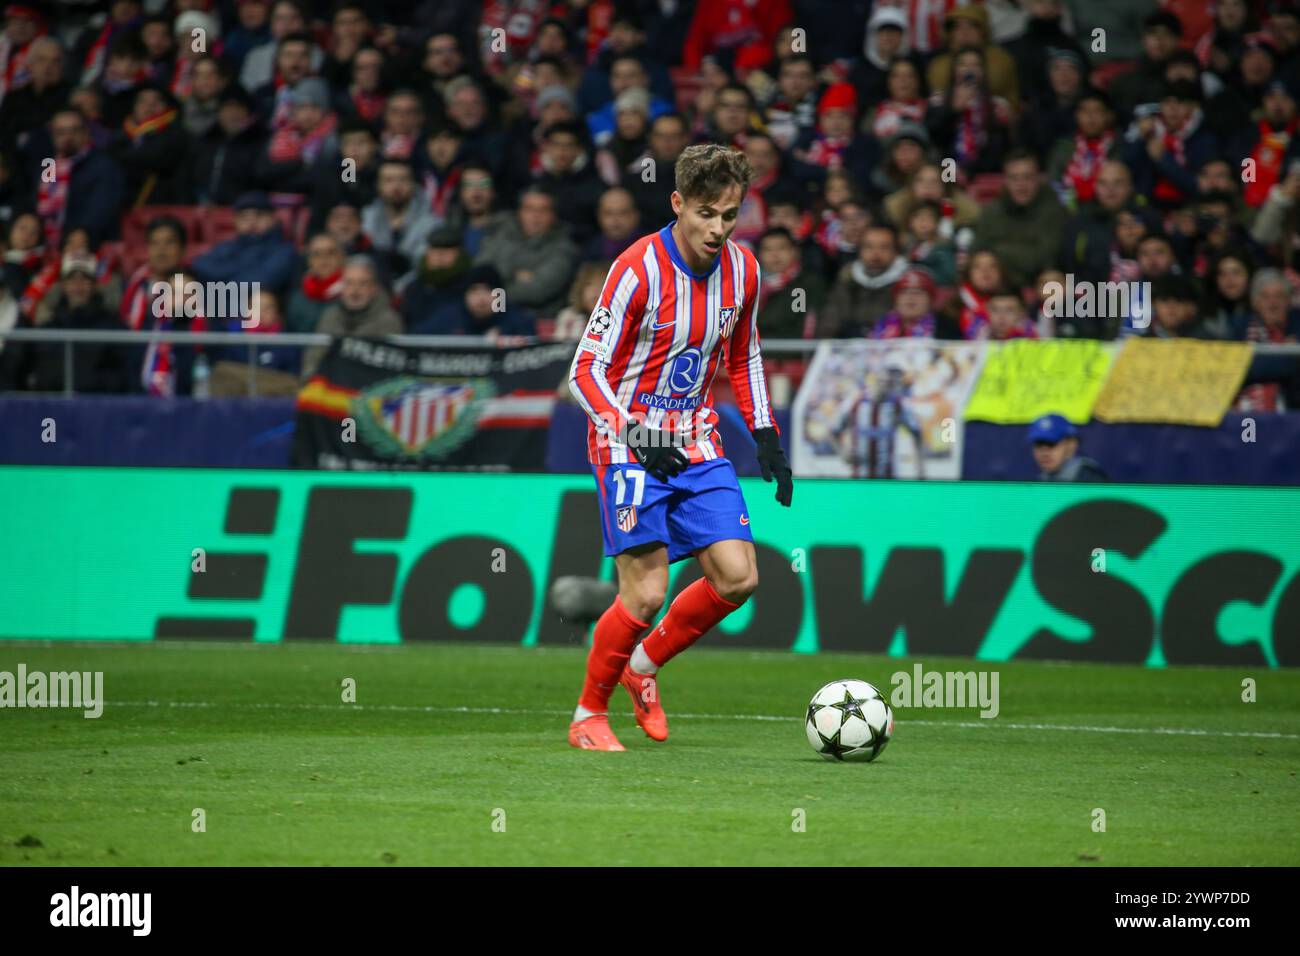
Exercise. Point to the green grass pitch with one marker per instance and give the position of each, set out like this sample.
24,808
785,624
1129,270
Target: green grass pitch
446,743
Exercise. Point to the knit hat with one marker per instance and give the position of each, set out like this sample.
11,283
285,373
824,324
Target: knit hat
556,94
838,96
915,279
192,20
633,99
483,274
79,262
311,91
909,130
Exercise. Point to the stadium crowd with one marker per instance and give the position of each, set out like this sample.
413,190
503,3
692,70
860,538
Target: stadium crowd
924,169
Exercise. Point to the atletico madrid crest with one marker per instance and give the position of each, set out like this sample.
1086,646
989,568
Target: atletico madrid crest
626,518
727,319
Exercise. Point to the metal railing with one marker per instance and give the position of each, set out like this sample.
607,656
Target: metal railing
255,340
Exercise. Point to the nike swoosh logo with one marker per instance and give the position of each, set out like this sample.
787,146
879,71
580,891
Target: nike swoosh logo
663,325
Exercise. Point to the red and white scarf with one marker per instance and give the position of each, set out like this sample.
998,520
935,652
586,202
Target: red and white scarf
1085,163
52,197
289,145
322,288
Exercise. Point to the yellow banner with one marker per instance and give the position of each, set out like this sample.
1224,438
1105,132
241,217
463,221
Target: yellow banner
1025,378
1174,382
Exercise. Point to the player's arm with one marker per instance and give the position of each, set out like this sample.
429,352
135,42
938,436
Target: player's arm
749,383
610,331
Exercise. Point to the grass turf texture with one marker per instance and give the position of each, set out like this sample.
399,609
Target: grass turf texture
287,774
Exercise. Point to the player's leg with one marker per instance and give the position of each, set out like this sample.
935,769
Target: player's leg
633,522
730,577
642,583
709,519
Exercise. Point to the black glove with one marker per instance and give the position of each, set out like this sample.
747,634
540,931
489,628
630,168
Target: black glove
771,459
653,447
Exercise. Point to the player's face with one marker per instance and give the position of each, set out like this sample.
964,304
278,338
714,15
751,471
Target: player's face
704,226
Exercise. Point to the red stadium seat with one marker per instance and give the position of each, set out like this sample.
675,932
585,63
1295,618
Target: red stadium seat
545,328
135,221
218,225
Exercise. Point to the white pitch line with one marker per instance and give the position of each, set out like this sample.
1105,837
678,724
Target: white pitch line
965,724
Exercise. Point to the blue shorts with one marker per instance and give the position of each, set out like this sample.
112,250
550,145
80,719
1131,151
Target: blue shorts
687,512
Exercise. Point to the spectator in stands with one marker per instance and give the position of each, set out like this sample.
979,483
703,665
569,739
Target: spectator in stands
925,248
438,167
25,253
350,30
159,47
1165,150
108,278
738,30
928,185
966,119
208,81
442,63
863,290
1077,159
1023,226
1275,225
840,234
1268,145
628,143
481,310
86,188
1229,281
1088,246
965,29
399,135
1044,37
981,278
1271,320
1161,33
164,257
27,107
22,25
308,140
359,156
361,311
343,222
533,254
791,213
570,177
258,252
1176,309
790,298
467,107
1055,442
733,116
96,367
293,64
905,101
1051,113
834,144
627,74
362,97
475,214
226,158
1155,257
884,46
398,222
620,226
266,320
259,67
912,316
154,150
253,30
177,71
905,153
1006,319
321,283
438,280
584,296
792,110
127,68
652,179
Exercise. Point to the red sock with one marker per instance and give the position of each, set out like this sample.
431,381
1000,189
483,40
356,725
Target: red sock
696,611
611,646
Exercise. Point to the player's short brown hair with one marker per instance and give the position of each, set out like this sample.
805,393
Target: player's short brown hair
706,170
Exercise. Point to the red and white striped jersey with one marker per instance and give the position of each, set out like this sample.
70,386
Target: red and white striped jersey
655,341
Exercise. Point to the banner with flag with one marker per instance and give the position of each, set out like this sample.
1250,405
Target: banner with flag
374,405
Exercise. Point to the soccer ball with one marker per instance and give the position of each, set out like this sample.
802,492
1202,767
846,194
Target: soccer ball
849,720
